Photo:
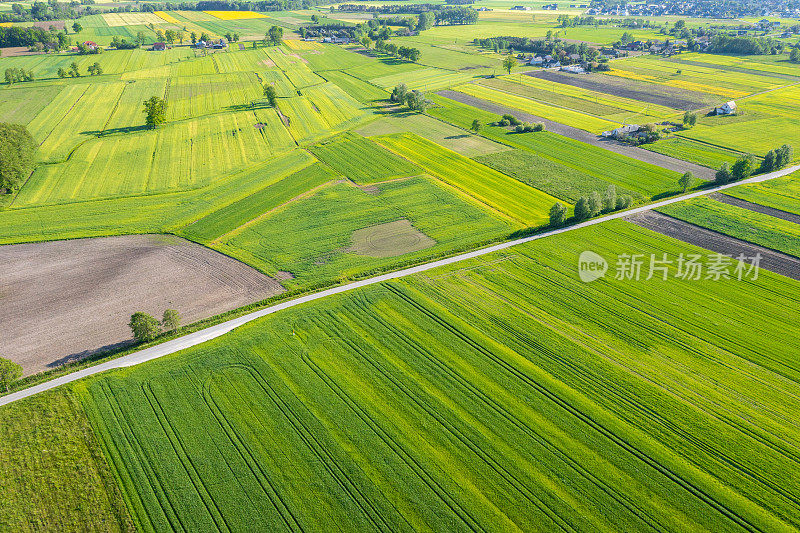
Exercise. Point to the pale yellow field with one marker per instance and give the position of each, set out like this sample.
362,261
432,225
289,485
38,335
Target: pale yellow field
236,15
296,44
166,16
131,19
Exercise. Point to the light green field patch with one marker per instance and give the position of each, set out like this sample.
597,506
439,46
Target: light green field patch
389,240
362,160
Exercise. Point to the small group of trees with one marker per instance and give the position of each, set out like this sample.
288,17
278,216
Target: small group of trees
9,373
72,72
271,95
590,206
415,100
794,55
232,37
403,52
146,328
123,44
689,119
16,75
274,35
155,111
170,36
777,159
84,49
95,69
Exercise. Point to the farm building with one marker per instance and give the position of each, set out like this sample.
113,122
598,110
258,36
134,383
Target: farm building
574,69
728,108
622,130
159,47
536,61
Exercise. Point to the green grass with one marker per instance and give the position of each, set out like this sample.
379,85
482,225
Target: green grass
362,160
781,193
623,172
498,191
360,90
499,394
53,475
696,152
280,187
21,104
311,237
547,176
750,226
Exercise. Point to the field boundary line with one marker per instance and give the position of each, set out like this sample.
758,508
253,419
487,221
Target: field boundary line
201,336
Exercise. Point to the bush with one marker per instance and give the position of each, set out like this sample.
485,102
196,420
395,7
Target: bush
539,126
520,128
723,175
512,120
503,122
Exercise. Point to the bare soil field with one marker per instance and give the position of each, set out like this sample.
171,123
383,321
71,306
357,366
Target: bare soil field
654,158
777,262
637,90
64,300
758,208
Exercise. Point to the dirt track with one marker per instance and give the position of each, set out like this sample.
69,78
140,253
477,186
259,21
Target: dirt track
64,300
778,262
671,163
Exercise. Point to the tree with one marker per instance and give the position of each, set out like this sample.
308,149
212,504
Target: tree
95,69
155,110
413,55
144,327
275,34
416,101
689,119
476,126
610,199
76,27
686,181
171,320
582,211
743,167
73,70
271,94
595,204
624,201
426,20
61,72
9,373
193,37
784,156
366,42
770,161
509,63
17,155
399,93
558,214
794,55
723,175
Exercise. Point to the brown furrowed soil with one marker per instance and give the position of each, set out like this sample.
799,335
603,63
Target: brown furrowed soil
65,300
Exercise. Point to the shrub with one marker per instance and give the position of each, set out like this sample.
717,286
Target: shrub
511,119
520,128
723,175
539,126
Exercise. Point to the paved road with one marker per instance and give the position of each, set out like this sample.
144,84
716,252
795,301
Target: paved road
212,332
654,158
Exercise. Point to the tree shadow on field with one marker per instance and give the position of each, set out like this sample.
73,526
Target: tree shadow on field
248,107
116,131
86,354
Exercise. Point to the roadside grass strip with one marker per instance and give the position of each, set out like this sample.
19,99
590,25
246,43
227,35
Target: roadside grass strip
569,117
503,193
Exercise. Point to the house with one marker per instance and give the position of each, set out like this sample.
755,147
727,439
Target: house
200,44
622,130
552,7
728,108
91,45
221,44
536,61
159,47
520,8
483,9
574,69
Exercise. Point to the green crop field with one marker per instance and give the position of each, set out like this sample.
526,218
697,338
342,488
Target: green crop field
624,172
498,395
360,90
758,228
311,237
498,191
780,193
362,160
53,475
566,116
696,152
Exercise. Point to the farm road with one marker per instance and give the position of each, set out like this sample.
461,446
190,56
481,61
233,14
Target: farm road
646,156
212,332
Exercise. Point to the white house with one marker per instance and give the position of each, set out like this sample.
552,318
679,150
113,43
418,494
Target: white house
536,61
575,69
622,130
728,108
